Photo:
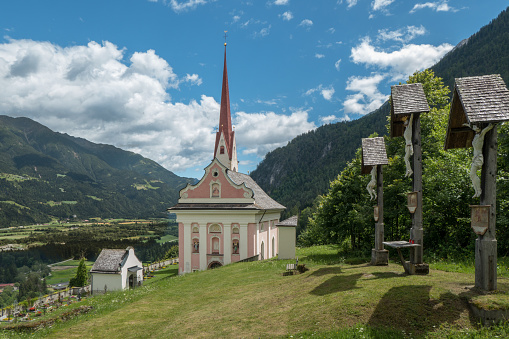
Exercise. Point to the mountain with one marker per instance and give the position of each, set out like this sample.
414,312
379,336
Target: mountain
296,173
45,174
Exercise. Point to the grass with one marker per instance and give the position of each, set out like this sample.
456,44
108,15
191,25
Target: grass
336,298
167,238
64,275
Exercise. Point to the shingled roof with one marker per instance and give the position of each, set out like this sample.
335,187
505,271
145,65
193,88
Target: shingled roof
373,153
476,100
406,99
290,222
262,200
109,261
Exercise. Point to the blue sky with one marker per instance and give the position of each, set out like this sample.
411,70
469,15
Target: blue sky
145,75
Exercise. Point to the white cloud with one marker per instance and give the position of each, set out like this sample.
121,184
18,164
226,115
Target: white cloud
194,79
263,32
402,62
439,6
319,56
378,5
92,92
337,64
403,34
281,2
306,23
368,97
351,3
328,119
287,16
235,18
325,92
252,131
331,30
184,5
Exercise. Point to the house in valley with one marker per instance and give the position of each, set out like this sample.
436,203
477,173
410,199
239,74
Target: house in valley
116,269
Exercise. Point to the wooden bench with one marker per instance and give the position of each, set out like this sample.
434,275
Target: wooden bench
398,245
291,267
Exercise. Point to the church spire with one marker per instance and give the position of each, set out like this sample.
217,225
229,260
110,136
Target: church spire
225,148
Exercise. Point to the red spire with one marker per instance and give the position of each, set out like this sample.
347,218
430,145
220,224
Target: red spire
225,120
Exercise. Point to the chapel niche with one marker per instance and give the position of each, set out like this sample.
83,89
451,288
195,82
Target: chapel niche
235,246
196,245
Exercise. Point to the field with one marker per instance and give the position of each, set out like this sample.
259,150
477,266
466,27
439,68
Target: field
336,298
64,271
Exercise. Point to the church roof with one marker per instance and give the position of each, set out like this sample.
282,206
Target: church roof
109,261
225,120
262,199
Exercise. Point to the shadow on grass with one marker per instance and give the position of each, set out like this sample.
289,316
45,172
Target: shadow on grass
324,259
326,270
411,309
388,275
337,283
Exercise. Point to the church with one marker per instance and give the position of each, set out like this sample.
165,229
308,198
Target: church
226,217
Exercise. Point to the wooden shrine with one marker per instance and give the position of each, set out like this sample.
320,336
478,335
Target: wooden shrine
374,156
480,102
408,102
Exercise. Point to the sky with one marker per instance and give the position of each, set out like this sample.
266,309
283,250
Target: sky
145,75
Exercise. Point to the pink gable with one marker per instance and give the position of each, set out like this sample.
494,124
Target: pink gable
216,185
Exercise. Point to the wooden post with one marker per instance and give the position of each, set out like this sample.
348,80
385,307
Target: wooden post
486,245
416,233
379,255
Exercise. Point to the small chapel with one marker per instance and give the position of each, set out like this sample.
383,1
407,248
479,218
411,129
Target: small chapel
226,217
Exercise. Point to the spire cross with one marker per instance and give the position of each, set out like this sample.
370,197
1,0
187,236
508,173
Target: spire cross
225,36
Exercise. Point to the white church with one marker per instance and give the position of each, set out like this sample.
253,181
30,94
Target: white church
226,217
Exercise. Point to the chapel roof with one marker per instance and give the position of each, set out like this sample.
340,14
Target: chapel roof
292,221
262,199
109,261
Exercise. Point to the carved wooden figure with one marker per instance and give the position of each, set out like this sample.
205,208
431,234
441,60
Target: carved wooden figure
374,156
480,102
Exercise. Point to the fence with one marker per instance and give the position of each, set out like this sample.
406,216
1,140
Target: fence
159,264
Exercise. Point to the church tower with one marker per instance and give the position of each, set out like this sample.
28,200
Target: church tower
225,149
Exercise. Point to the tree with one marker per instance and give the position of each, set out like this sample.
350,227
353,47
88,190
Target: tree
81,277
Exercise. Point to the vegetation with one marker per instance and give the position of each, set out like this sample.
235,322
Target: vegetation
46,175
81,277
339,297
297,173
345,212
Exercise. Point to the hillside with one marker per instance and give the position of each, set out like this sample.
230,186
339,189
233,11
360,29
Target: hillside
45,174
336,298
295,174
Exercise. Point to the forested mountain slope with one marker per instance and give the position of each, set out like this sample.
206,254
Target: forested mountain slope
485,52
295,174
44,174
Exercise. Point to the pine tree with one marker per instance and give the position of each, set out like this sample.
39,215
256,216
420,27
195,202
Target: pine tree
81,278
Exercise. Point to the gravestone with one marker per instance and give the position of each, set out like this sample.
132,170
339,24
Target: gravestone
374,156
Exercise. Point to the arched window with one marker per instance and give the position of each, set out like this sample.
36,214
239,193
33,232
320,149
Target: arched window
221,150
273,248
215,228
215,245
262,251
235,246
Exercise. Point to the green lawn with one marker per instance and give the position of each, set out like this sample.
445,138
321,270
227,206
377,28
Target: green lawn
167,238
336,298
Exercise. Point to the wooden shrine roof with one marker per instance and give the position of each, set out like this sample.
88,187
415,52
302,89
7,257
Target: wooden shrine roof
406,99
373,153
476,100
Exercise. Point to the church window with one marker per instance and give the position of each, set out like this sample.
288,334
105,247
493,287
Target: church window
215,228
215,245
235,246
196,246
221,150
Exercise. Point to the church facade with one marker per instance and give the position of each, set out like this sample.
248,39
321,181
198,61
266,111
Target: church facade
226,217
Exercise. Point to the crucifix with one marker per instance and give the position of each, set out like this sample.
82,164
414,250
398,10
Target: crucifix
478,104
